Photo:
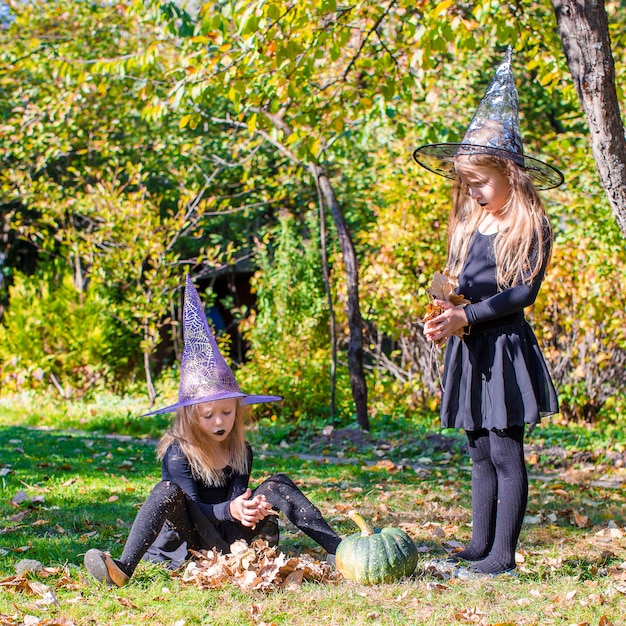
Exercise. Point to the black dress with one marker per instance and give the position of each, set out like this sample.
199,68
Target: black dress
496,376
203,520
208,509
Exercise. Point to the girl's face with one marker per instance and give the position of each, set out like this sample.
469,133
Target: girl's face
487,185
216,419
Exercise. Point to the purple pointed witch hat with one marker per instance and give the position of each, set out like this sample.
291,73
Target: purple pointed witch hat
204,374
493,130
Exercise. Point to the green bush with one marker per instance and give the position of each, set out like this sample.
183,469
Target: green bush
289,332
55,334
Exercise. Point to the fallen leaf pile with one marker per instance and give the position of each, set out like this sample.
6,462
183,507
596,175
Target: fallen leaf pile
44,594
254,567
442,288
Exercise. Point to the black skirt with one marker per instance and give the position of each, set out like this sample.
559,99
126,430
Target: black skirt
496,377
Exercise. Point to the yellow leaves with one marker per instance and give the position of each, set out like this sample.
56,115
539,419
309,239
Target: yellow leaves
252,123
203,39
338,124
579,324
558,490
186,120
292,139
443,7
328,5
383,464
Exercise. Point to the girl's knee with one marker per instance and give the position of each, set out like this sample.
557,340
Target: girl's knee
276,482
510,455
166,489
280,478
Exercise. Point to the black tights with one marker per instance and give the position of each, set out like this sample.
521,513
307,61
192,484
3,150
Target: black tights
168,502
283,495
499,497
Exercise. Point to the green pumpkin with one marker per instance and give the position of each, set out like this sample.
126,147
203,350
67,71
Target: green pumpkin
371,557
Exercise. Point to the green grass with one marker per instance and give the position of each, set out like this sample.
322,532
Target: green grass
104,413
83,490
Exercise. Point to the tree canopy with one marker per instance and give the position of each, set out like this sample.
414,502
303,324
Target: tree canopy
141,142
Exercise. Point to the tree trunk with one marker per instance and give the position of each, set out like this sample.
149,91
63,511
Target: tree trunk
584,32
146,368
355,322
329,297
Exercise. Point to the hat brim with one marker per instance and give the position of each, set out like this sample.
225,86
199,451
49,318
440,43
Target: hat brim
439,158
245,399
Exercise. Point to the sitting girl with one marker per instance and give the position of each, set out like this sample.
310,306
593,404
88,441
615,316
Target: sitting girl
203,500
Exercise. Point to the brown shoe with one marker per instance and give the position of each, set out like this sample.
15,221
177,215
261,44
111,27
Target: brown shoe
103,568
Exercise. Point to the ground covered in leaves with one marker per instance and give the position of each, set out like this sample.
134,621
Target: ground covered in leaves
62,493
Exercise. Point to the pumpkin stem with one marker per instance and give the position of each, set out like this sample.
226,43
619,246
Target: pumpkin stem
366,529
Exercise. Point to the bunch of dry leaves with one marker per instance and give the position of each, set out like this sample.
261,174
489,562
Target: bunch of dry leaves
256,566
443,288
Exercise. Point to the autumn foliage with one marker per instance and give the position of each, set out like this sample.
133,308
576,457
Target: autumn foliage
173,141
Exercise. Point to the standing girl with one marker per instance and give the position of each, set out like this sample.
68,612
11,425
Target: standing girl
203,500
495,380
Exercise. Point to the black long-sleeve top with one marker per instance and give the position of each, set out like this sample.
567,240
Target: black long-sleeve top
213,501
477,282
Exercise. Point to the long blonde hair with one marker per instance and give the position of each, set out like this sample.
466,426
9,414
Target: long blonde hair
199,451
520,247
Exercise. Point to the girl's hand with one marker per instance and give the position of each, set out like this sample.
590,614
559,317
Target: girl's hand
248,511
441,327
263,507
244,510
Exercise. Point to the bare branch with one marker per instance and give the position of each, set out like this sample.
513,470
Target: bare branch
243,207
374,28
280,17
386,49
278,119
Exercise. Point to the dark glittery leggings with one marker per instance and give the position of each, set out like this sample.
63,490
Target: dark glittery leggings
499,496
168,502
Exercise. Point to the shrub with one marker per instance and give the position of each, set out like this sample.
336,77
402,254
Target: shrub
289,333
581,322
55,334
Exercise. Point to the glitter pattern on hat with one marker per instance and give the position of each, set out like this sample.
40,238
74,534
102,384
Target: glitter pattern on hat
204,374
494,130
